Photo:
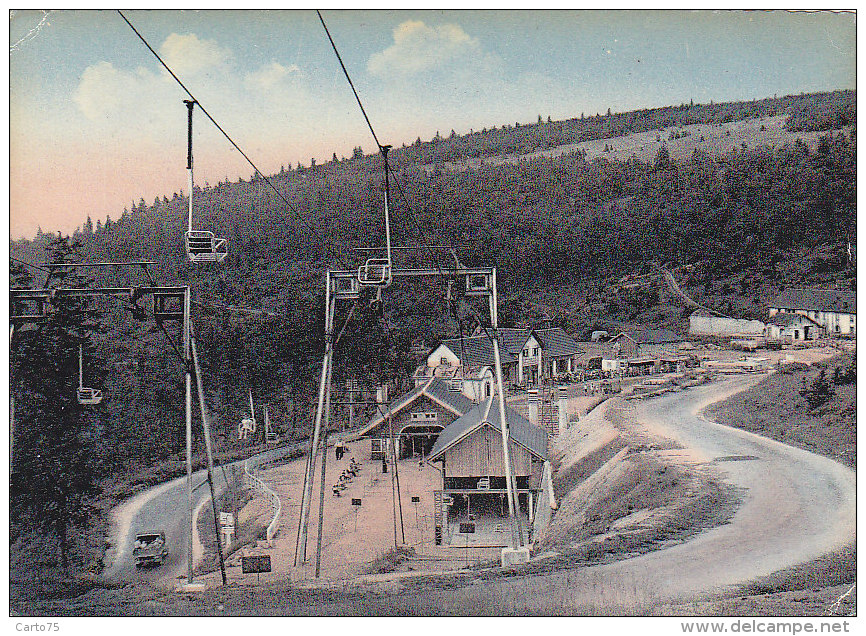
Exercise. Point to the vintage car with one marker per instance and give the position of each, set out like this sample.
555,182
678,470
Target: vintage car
150,548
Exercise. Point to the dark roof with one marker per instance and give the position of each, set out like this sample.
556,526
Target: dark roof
455,401
557,344
435,389
784,319
817,300
652,336
521,430
513,340
479,351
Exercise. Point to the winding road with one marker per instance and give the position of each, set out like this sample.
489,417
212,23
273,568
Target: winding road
796,506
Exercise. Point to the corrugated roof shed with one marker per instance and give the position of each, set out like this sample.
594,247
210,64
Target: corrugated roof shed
817,300
558,344
521,430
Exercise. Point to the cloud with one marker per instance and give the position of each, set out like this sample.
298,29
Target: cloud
418,48
188,55
271,76
101,90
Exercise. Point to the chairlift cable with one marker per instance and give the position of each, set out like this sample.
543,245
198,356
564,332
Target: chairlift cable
267,180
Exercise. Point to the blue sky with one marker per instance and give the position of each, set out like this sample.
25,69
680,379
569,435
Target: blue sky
96,123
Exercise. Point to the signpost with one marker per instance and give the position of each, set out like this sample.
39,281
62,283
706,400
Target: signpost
416,501
467,528
356,504
256,565
227,524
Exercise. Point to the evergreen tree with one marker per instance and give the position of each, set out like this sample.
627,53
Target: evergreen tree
53,465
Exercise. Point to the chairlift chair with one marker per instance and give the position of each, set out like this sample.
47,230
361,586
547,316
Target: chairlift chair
86,395
201,245
479,285
345,286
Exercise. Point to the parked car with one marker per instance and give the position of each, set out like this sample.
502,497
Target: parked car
150,548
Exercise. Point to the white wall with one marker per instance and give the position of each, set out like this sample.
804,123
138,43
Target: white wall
717,326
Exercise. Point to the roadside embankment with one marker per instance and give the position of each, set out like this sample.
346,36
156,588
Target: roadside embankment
623,491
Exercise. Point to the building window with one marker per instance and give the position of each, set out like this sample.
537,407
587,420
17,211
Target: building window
418,418
456,385
444,361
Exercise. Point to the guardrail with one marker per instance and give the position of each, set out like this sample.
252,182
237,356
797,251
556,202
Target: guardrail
258,485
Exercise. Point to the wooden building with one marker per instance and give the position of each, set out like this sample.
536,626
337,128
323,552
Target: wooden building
473,470
415,419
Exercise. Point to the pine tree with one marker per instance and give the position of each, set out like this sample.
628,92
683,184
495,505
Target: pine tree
53,464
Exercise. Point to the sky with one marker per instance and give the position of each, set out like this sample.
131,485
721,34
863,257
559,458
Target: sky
96,123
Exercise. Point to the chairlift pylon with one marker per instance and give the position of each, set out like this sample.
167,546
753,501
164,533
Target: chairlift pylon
86,395
201,245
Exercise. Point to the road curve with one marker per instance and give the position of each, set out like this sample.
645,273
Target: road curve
796,507
164,507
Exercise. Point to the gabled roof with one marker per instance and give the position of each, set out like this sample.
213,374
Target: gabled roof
651,336
521,430
436,390
513,340
817,300
557,344
478,351
784,319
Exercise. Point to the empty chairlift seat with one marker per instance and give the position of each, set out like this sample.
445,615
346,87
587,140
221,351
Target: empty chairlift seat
375,272
88,396
479,285
203,247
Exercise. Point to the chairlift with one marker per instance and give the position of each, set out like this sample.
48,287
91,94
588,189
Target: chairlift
376,272
201,245
479,285
86,395
345,286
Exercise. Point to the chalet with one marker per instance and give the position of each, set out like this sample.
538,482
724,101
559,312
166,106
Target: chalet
473,470
527,356
786,327
834,310
415,419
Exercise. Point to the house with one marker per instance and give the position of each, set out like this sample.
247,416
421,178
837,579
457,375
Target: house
646,343
473,469
415,419
528,356
703,323
788,327
835,310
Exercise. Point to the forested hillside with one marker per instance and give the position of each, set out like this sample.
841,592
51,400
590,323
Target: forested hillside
734,227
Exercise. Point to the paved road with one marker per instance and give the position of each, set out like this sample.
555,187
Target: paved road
796,506
161,508
165,508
